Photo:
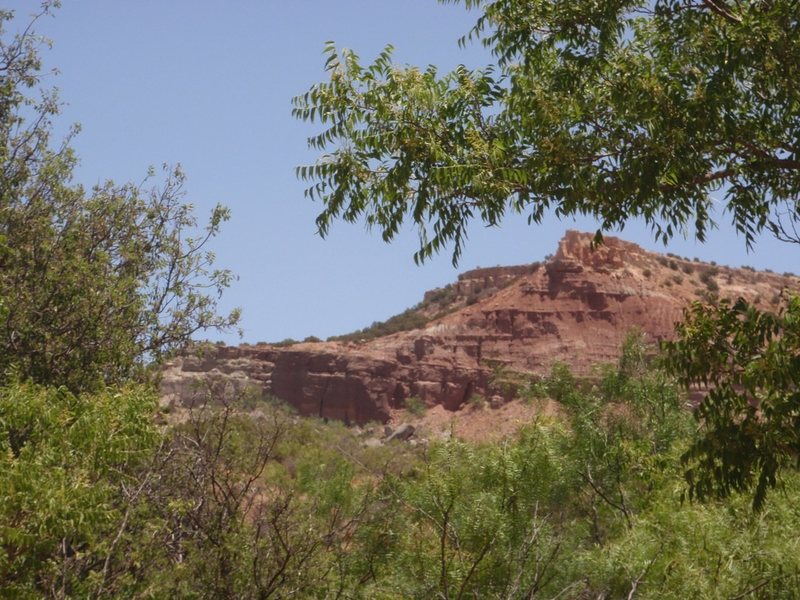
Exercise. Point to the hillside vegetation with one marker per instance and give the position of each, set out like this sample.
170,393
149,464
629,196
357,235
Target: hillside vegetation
249,501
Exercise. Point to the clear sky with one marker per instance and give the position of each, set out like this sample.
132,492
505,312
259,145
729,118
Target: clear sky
209,85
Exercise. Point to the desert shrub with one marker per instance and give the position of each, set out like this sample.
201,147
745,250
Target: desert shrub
533,388
472,522
407,320
442,295
561,384
72,472
476,401
707,277
415,405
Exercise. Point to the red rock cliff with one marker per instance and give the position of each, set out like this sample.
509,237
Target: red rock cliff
576,308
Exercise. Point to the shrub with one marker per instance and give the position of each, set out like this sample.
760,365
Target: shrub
476,401
707,277
415,406
69,469
561,384
535,388
407,320
442,295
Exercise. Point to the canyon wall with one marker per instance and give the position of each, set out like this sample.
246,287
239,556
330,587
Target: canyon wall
575,308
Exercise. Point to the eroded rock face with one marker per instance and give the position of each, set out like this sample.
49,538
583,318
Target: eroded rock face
577,308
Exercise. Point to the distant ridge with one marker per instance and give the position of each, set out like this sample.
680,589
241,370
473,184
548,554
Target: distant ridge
575,308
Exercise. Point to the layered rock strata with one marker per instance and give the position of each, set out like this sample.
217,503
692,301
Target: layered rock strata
576,308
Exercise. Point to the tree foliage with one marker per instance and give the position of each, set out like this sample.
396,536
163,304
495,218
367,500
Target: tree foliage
616,110
98,501
72,469
93,283
750,361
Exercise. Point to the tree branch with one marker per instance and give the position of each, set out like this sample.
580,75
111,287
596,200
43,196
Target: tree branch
722,11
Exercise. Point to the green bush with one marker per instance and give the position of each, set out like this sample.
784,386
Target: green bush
95,284
72,469
476,401
415,406
707,277
407,320
561,385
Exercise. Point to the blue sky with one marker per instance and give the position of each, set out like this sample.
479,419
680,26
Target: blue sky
209,85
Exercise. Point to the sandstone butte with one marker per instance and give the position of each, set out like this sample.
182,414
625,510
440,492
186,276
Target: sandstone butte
575,308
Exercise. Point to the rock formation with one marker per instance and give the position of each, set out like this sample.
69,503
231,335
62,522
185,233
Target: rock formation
575,308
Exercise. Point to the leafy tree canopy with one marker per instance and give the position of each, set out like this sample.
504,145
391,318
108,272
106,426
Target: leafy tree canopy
750,361
616,110
93,283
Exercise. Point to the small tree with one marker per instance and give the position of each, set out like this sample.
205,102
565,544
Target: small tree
73,469
750,363
93,283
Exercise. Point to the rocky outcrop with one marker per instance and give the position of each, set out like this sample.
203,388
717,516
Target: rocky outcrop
576,308
330,380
